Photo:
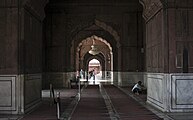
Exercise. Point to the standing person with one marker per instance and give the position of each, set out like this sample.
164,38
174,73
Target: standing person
77,74
137,89
93,74
86,74
82,74
90,74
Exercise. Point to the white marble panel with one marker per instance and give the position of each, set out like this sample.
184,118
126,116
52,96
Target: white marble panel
181,97
184,91
7,93
170,92
155,90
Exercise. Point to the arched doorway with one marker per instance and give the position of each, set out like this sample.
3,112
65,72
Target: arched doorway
102,32
95,71
95,67
104,57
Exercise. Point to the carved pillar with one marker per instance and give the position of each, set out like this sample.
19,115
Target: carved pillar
20,79
168,46
155,49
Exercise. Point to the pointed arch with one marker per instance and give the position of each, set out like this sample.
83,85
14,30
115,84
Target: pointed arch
110,30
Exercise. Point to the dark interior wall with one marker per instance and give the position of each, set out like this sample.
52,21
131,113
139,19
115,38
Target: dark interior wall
180,36
132,42
66,19
8,37
168,35
31,36
32,43
56,44
30,50
21,36
154,44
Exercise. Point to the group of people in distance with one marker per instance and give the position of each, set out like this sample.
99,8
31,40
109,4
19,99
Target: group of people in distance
86,75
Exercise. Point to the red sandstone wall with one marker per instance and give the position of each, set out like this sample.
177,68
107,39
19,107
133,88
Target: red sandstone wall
33,43
67,26
154,44
8,37
169,30
180,36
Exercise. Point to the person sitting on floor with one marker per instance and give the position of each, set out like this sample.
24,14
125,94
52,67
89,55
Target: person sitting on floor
137,89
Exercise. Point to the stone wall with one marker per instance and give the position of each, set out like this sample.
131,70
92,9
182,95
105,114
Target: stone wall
66,27
168,51
8,36
119,24
180,36
131,78
21,55
132,43
157,90
154,44
32,91
170,92
181,96
168,34
8,94
32,40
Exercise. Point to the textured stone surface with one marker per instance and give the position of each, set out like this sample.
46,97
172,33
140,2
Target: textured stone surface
8,97
79,24
170,92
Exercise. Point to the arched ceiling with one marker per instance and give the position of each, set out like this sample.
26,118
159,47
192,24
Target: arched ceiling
101,44
101,30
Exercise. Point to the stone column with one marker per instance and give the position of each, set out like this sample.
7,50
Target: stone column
20,66
168,28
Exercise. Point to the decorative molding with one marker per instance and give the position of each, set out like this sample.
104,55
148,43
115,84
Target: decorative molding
78,25
8,93
181,102
150,8
110,30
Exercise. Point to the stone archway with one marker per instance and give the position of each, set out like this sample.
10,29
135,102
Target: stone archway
110,30
105,56
100,58
113,46
104,26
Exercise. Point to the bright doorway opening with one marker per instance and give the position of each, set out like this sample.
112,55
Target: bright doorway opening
95,71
